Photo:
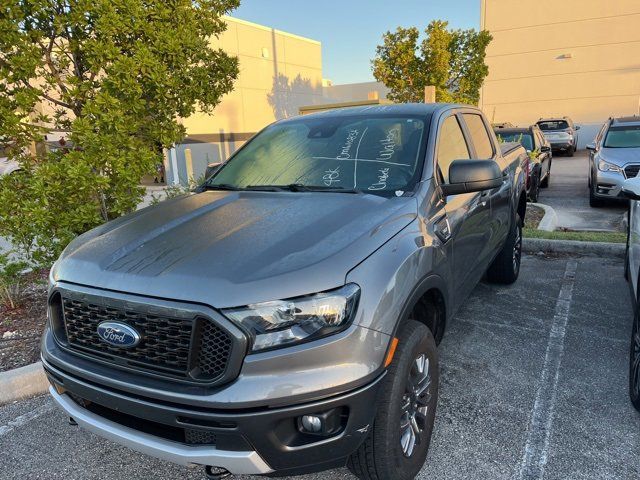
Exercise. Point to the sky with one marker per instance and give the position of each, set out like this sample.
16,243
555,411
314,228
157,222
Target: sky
350,30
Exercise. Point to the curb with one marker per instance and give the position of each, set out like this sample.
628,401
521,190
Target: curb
550,220
22,382
536,245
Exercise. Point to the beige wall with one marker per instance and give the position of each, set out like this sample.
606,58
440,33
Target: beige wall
278,73
530,74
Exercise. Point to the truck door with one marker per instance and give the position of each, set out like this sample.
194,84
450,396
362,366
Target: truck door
468,214
499,219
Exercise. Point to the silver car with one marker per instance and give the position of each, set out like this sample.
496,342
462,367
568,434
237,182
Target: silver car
614,156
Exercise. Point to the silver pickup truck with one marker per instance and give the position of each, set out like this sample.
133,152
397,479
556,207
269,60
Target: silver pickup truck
284,317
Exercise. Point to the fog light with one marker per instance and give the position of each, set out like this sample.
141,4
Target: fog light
311,423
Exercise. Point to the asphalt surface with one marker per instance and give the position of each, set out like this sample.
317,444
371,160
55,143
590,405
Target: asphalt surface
533,385
568,194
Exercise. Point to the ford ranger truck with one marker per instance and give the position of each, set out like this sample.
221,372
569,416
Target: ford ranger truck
284,318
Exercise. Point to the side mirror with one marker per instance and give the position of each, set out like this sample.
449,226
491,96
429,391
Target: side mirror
466,176
545,148
631,188
577,127
591,146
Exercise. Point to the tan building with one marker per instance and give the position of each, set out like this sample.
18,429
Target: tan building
279,72
579,58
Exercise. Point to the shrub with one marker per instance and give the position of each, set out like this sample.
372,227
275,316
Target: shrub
12,285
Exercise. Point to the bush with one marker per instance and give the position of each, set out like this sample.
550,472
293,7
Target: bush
12,287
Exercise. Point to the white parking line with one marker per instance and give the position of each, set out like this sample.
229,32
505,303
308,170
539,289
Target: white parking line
540,427
26,418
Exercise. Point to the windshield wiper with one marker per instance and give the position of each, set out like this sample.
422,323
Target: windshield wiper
221,186
298,187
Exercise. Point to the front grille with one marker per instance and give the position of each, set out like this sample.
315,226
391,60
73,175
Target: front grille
631,171
192,348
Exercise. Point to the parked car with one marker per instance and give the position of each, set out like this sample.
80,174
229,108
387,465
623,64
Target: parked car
613,157
561,133
540,156
631,190
286,318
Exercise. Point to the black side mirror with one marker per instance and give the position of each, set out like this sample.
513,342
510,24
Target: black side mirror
577,127
466,176
591,146
545,148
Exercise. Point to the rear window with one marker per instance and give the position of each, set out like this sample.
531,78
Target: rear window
376,154
553,125
524,138
623,137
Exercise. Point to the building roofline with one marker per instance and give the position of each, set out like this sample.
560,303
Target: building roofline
228,18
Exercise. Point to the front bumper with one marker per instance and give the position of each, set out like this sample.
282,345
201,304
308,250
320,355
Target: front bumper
561,144
607,184
246,441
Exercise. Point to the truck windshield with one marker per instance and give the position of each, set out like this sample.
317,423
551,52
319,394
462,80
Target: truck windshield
374,154
553,125
623,137
524,138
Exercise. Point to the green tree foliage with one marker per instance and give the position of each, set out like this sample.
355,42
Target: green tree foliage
450,60
117,75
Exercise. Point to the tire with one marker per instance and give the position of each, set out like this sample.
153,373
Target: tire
382,455
594,202
547,179
506,267
535,189
571,151
634,362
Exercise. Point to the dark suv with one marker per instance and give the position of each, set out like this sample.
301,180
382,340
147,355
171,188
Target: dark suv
540,157
561,133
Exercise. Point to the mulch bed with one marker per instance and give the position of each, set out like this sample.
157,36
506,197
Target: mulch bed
21,328
533,216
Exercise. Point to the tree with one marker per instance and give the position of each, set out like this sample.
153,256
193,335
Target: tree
450,60
118,76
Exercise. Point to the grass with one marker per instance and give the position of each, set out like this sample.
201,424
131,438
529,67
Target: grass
612,237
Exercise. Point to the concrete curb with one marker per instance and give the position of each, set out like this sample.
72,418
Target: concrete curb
535,245
550,220
22,383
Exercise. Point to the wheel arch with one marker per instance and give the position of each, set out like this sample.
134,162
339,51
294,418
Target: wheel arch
428,304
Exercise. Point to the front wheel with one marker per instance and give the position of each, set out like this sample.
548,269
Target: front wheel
399,440
506,267
634,362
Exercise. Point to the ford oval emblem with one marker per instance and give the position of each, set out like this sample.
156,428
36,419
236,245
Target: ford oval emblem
118,334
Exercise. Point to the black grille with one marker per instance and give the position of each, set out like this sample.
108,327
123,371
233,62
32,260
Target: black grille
199,437
631,171
166,342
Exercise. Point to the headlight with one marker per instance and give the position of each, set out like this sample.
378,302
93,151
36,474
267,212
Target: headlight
285,322
608,167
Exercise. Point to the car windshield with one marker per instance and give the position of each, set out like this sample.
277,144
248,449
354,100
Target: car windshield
374,154
524,138
623,137
553,125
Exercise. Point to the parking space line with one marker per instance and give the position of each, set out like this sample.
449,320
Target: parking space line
26,418
536,447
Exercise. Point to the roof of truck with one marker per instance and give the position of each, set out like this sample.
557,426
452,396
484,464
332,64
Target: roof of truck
423,109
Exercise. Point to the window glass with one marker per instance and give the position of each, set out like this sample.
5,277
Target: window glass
479,135
451,146
547,125
376,154
518,137
623,137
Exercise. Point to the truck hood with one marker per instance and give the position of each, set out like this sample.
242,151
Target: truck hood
228,249
620,156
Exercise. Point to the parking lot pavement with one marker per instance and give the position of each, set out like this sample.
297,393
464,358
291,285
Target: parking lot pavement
568,194
533,383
